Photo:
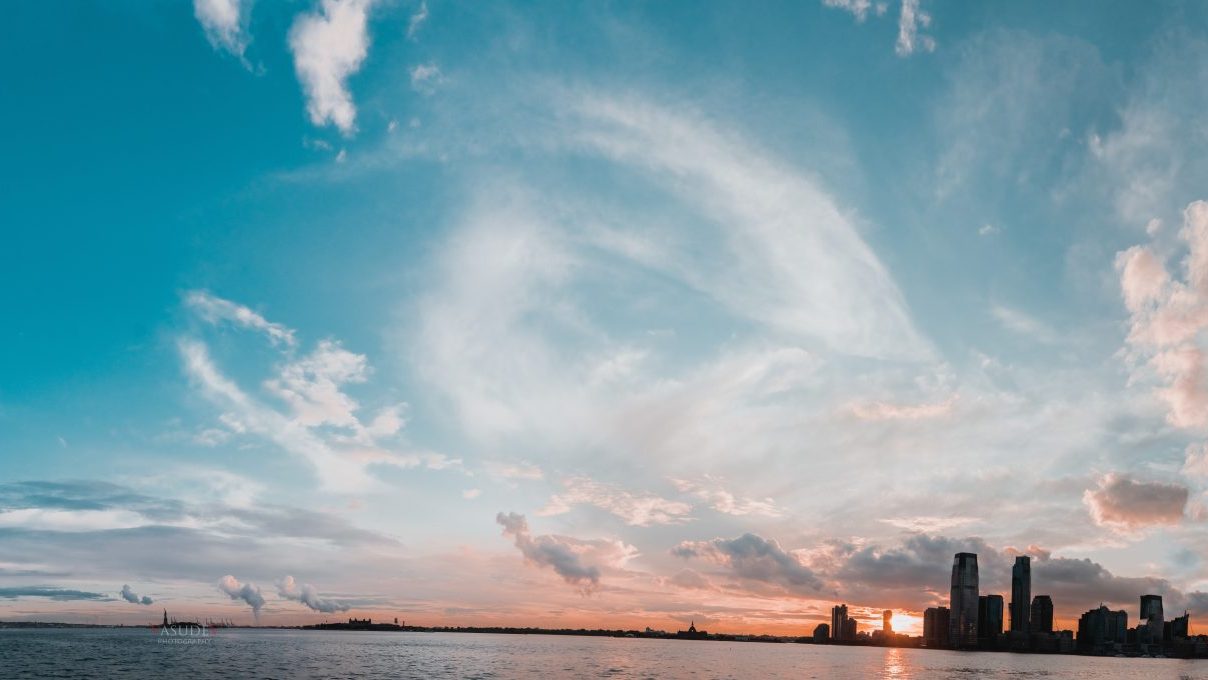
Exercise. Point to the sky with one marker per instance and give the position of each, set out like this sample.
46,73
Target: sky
611,314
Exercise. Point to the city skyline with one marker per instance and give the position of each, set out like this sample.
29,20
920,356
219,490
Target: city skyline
604,315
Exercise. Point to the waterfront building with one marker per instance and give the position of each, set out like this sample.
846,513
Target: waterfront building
935,627
962,621
887,622
821,632
1021,593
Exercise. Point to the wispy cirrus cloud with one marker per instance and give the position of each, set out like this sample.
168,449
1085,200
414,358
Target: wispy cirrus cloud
50,593
215,309
321,423
418,17
711,490
636,509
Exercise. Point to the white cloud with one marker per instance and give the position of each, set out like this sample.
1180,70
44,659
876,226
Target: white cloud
711,490
308,595
321,425
312,385
225,23
247,592
1167,316
911,20
859,8
635,509
471,494
328,48
989,230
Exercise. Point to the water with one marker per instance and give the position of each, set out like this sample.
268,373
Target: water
135,653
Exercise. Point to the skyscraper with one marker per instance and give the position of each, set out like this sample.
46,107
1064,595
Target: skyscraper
962,622
887,621
1042,614
839,626
989,618
1021,593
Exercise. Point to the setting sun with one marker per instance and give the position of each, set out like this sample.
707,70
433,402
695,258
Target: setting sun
905,623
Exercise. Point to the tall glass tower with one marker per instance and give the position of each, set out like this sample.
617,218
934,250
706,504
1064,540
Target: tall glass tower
962,624
1021,593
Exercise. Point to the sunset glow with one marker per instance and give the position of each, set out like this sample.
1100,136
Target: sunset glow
608,315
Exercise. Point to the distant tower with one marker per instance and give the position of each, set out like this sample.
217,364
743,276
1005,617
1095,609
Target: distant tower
962,623
886,621
165,618
1021,593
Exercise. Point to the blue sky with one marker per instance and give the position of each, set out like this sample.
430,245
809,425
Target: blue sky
740,312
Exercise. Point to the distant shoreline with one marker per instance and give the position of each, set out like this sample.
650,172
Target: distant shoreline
584,632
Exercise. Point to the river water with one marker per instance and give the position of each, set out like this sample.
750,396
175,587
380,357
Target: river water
230,653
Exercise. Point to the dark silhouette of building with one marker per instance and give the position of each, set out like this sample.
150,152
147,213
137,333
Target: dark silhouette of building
1042,614
1021,593
839,626
935,627
1151,615
821,632
1178,628
1100,628
692,633
887,622
989,618
962,621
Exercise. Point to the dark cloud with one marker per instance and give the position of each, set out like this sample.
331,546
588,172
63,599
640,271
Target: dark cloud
86,495
133,598
1123,501
549,551
755,558
50,593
